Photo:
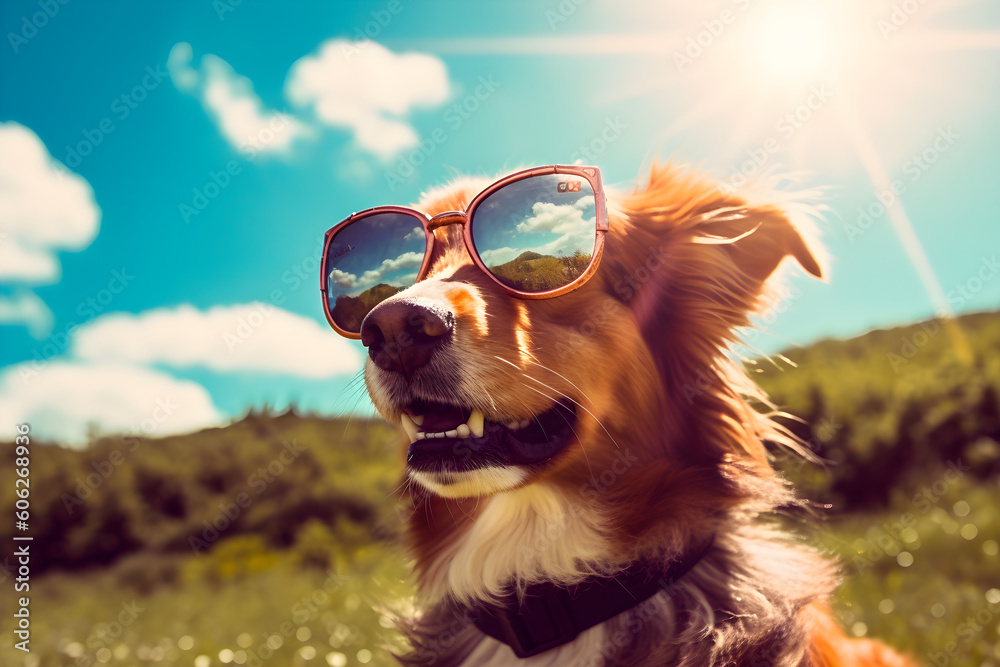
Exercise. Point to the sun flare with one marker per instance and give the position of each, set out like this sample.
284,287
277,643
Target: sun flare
794,43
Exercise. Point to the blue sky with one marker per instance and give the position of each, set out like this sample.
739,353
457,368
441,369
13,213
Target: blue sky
167,170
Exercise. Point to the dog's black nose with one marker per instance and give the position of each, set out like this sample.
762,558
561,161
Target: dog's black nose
402,336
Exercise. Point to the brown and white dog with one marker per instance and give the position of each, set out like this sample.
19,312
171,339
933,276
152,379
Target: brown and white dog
653,476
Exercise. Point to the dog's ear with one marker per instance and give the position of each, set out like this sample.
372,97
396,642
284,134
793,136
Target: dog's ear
682,250
757,239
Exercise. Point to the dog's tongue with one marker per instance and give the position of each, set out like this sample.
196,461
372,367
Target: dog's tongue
442,417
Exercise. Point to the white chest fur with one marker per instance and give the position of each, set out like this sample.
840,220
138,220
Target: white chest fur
531,534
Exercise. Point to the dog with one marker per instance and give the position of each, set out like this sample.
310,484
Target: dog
638,530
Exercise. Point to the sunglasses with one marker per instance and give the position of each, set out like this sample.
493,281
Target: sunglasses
538,233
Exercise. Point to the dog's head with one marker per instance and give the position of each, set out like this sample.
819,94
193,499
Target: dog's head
557,388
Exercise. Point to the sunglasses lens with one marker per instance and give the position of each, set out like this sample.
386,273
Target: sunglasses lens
538,233
370,260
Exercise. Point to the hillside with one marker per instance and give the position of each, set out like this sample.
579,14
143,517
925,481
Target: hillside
223,537
887,407
533,272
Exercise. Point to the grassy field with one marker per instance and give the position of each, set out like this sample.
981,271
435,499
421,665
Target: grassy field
275,540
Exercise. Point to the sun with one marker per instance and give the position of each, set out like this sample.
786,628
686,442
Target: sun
794,43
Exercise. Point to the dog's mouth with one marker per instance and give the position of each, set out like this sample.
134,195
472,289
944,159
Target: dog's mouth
451,438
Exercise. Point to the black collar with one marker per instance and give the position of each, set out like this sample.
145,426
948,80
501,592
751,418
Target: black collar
549,616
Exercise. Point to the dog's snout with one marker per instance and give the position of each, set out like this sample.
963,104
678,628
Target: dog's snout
402,336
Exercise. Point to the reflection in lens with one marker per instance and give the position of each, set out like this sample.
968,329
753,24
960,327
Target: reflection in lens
370,260
538,233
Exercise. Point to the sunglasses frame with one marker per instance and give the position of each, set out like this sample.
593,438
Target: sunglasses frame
467,219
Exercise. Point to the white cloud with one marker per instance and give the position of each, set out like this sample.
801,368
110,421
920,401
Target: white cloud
231,101
252,337
25,264
408,260
347,280
24,308
498,256
63,400
559,218
184,76
344,279
366,88
43,208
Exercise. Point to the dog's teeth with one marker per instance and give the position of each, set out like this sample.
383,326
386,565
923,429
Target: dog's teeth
463,430
409,427
418,420
420,436
453,433
475,423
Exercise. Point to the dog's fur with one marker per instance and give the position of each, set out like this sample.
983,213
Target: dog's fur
668,447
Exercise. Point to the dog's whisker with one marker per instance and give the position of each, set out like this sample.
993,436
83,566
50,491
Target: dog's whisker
348,389
578,438
354,409
583,394
454,519
394,492
582,407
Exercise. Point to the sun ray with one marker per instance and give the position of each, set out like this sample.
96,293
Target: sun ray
562,45
931,41
880,178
